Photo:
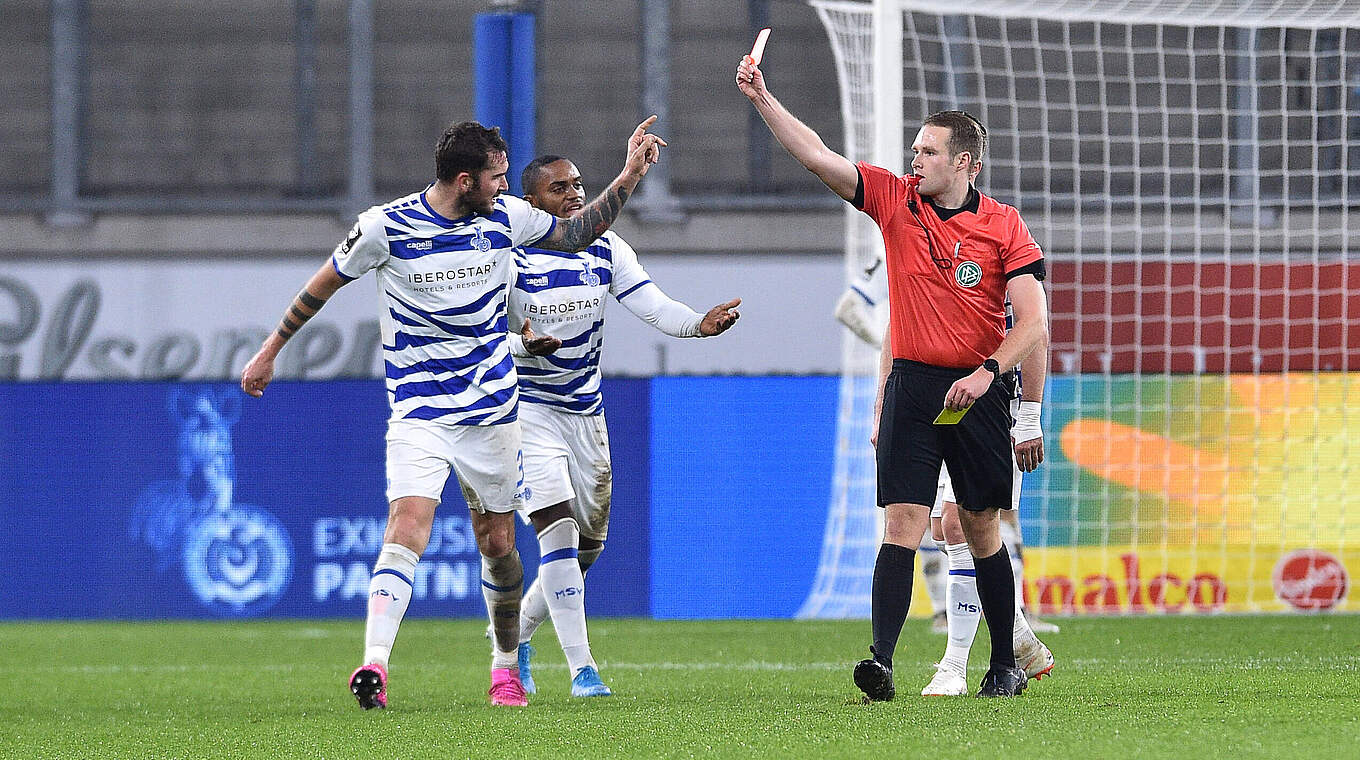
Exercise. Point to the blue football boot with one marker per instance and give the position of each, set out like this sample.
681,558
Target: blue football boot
526,677
587,683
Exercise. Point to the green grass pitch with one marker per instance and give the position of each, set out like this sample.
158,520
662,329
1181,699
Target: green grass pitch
1183,687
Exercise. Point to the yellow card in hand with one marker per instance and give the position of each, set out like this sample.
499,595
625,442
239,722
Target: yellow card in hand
950,417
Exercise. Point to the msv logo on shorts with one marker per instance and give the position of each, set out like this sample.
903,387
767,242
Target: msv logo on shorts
968,274
523,493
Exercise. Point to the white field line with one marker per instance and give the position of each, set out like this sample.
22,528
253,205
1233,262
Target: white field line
1345,662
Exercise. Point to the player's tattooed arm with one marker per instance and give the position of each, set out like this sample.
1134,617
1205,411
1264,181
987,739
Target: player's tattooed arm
304,307
259,371
594,220
579,231
308,302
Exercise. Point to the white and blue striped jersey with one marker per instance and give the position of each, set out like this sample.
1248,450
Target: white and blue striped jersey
444,283
1010,322
563,295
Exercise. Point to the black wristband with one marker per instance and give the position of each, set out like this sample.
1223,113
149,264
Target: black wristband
992,366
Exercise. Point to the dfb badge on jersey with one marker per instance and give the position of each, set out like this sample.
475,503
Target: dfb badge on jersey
968,274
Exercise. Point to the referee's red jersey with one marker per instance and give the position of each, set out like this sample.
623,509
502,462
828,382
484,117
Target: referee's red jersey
946,291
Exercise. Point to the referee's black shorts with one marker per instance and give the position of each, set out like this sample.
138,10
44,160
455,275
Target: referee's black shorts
911,447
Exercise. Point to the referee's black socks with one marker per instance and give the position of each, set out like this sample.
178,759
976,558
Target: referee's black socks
892,597
996,591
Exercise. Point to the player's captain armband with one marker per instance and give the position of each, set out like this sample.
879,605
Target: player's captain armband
951,417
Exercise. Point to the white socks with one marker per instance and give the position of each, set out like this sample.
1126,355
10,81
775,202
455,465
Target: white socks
389,594
1010,537
502,584
534,609
562,587
933,567
963,605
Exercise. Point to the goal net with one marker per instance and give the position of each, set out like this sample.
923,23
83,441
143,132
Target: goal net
1189,169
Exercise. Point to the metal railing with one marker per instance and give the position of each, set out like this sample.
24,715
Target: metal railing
71,199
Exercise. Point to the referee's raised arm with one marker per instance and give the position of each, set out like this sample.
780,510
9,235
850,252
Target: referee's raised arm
797,138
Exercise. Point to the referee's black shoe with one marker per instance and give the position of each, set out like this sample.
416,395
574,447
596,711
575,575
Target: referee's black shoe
1003,682
875,679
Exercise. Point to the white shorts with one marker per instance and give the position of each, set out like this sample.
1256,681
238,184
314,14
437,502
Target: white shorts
486,459
945,490
566,458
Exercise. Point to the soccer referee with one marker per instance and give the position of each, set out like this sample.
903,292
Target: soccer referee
953,255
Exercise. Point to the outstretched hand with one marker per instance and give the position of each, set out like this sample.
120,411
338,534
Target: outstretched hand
536,344
644,148
720,318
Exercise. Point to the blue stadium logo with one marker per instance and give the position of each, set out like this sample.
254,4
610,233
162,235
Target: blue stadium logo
238,563
236,558
968,274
